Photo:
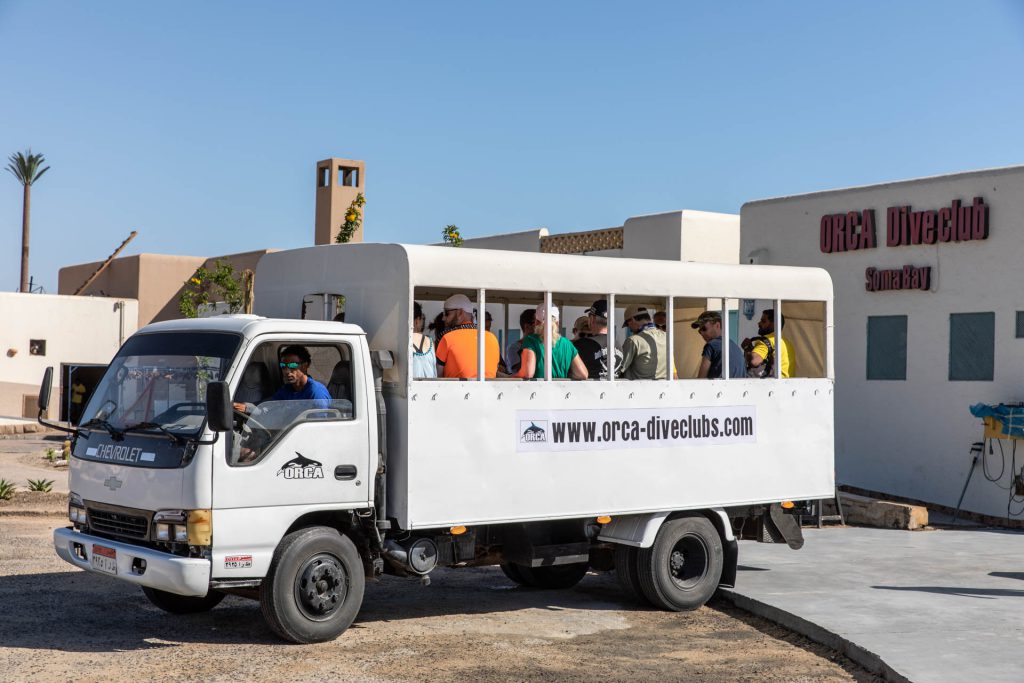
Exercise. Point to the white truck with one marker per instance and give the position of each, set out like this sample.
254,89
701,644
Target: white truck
297,503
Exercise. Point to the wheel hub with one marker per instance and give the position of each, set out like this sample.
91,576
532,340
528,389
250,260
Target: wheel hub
688,561
321,586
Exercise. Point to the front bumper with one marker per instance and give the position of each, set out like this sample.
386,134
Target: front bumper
181,575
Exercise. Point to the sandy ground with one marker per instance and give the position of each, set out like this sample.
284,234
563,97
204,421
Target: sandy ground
24,458
61,624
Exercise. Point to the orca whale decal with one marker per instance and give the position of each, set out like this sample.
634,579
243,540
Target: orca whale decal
301,467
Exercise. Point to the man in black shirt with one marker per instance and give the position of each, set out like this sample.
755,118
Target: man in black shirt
593,349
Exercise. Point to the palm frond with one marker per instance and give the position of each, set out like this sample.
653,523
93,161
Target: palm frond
26,166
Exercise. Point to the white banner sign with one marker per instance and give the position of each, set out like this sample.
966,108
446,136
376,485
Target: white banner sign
586,430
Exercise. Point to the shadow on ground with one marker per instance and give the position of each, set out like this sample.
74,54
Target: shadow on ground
961,591
76,611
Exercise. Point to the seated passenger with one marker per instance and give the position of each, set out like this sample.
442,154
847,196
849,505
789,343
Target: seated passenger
580,329
457,350
566,361
644,352
424,362
761,350
512,353
594,349
709,325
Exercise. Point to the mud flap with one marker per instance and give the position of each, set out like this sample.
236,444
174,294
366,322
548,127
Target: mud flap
778,527
731,554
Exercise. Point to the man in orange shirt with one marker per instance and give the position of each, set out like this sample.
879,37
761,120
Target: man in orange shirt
456,352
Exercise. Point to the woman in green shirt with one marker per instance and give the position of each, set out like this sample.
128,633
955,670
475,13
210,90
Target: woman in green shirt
566,360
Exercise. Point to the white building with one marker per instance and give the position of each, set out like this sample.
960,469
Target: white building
65,332
928,321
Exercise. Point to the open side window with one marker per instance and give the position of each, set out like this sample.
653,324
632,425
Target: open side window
267,405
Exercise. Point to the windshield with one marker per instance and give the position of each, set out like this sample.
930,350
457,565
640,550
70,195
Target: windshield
157,382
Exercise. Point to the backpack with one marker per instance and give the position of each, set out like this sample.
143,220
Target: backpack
767,368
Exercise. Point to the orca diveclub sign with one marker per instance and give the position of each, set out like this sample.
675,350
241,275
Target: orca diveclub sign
855,231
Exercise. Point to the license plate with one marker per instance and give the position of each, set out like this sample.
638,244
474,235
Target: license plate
104,559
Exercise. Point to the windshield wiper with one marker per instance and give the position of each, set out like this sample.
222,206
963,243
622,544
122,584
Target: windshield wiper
99,422
145,426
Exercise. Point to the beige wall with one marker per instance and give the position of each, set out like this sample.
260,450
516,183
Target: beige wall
156,280
77,329
153,279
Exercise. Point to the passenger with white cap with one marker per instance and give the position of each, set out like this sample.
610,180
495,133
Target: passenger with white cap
457,350
566,361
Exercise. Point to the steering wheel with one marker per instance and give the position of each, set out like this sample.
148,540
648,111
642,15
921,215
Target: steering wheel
249,422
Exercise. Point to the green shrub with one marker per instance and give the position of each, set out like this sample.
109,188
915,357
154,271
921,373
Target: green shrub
41,485
7,489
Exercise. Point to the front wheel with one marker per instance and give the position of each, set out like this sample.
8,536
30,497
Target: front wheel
681,570
314,588
182,604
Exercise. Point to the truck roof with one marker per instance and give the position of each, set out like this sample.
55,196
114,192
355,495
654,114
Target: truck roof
510,274
251,325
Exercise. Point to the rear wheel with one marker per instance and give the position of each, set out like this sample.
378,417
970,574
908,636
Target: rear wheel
314,588
512,572
182,604
555,577
625,570
681,570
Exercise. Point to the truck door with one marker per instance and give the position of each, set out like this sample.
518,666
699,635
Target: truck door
296,448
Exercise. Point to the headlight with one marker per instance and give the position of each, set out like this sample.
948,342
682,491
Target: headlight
76,509
183,526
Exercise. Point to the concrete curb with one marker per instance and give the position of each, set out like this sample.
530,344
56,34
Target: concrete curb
18,428
13,512
867,659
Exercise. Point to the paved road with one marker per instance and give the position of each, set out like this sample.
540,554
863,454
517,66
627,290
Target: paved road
933,605
62,624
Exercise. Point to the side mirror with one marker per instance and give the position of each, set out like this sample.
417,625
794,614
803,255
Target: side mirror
44,391
218,406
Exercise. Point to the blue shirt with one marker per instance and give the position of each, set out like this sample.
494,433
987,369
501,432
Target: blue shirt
737,363
312,390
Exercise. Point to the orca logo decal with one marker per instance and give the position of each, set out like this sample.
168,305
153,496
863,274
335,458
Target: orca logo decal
301,467
534,433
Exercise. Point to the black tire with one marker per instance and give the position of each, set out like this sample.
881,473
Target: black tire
314,588
182,604
625,570
512,572
681,570
555,577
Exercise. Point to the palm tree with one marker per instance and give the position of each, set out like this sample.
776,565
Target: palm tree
25,167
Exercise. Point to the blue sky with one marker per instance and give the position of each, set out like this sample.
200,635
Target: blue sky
199,124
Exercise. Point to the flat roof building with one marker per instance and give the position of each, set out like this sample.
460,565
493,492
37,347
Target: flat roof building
928,321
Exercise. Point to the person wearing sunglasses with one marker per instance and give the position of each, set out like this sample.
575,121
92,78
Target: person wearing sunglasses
709,326
299,386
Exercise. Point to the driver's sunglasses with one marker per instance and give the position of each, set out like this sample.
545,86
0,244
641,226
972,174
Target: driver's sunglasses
290,366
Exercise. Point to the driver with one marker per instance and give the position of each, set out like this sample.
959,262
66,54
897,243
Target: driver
298,386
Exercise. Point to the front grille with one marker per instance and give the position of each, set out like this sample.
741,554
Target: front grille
118,523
